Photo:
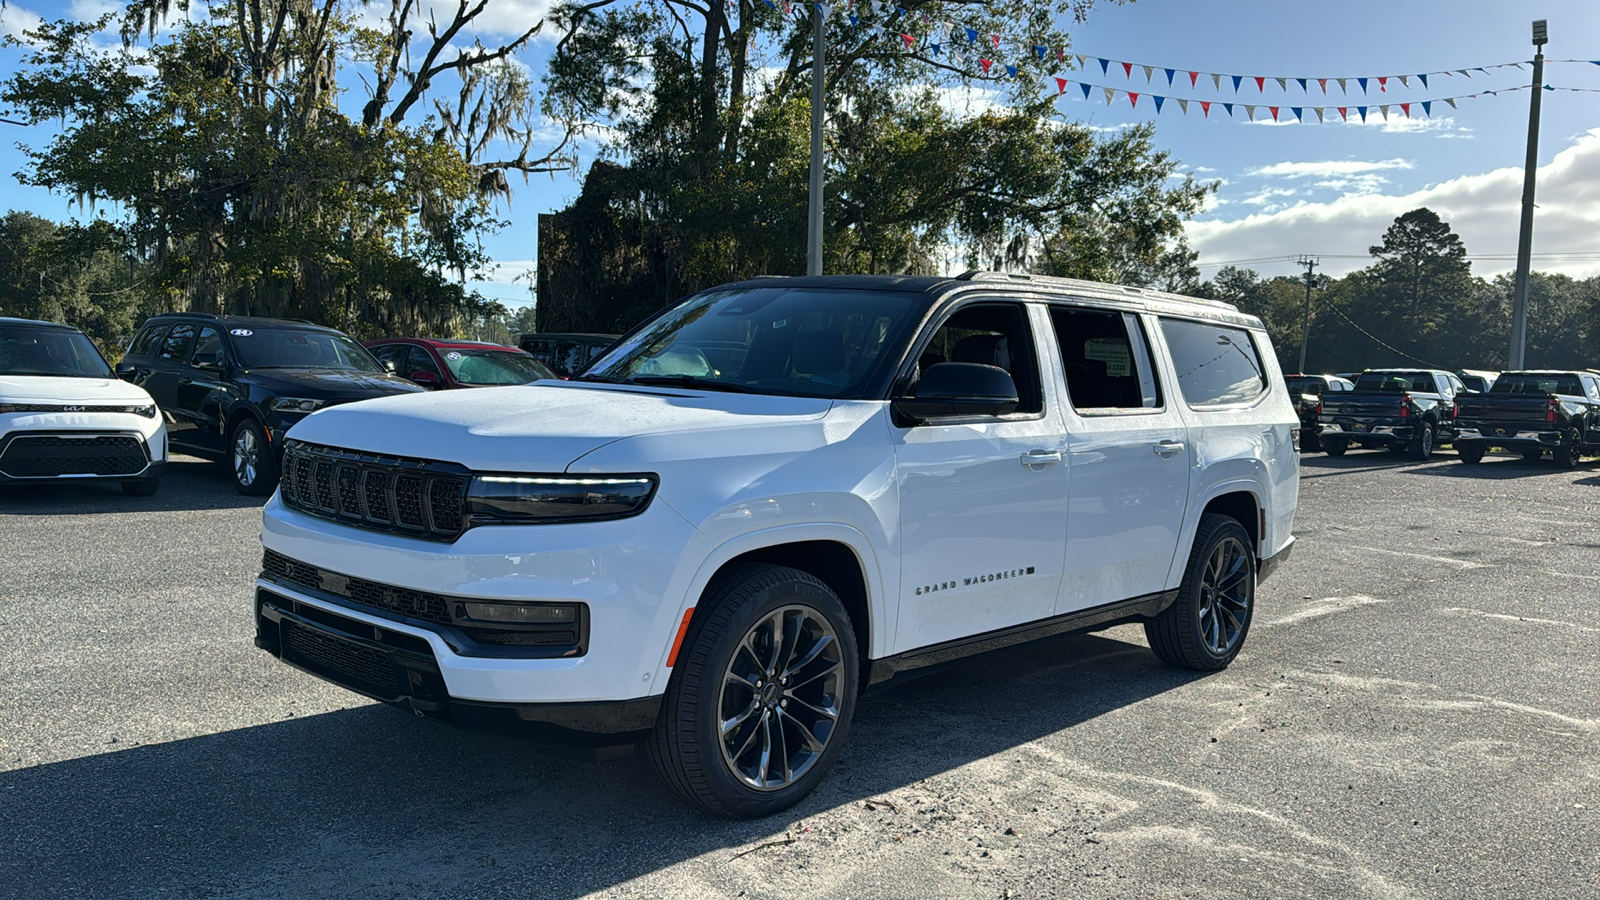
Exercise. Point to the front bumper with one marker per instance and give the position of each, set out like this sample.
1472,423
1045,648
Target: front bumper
388,664
39,448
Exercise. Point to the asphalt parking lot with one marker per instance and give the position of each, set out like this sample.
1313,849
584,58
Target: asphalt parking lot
1415,714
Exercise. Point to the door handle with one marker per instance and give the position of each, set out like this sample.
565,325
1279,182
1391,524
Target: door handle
1167,447
1034,458
186,380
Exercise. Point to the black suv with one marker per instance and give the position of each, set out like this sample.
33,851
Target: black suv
230,387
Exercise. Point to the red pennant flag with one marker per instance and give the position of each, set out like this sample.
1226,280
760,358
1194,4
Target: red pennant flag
1205,107
1133,99
1061,55
1127,69
1193,77
1261,84
1274,111
1344,114
908,39
1407,108
1383,83
1061,84
986,63
996,39
1323,82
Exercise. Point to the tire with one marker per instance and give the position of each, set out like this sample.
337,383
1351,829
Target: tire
1205,627
1471,454
716,680
1532,455
142,487
1310,441
1566,455
1335,446
250,460
1422,446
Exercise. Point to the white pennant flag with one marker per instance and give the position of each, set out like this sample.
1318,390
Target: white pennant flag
1081,59
1216,80
1183,105
1451,101
1342,87
1149,71
1465,72
1251,112
1404,82
1283,84
1385,111
1110,95
1318,110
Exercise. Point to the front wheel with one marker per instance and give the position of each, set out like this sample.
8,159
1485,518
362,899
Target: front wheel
763,694
1205,627
1335,446
251,460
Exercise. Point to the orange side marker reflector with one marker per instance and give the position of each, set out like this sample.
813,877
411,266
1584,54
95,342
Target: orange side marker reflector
683,629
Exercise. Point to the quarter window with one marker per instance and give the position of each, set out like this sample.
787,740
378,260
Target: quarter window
1217,365
1105,359
210,342
176,347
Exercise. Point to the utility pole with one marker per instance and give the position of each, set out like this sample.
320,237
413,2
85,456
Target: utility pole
1305,322
1519,313
814,210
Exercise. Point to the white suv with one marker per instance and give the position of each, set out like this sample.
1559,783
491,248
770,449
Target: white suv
64,415
776,495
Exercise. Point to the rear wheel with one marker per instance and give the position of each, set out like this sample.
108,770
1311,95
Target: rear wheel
1471,454
1205,627
1422,445
1567,454
1335,446
763,694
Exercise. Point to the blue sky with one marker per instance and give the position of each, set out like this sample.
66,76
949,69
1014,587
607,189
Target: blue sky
1326,190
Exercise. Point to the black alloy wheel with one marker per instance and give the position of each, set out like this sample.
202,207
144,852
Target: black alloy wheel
1205,627
762,695
1566,455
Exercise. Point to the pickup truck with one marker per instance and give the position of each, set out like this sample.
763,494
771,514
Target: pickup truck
1532,413
1407,410
716,553
1306,391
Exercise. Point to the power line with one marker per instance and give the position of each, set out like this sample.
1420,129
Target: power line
1380,341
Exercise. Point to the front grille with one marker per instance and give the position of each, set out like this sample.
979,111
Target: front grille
387,598
416,497
347,662
54,455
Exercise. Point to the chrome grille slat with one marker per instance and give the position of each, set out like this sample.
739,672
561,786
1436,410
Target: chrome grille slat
420,498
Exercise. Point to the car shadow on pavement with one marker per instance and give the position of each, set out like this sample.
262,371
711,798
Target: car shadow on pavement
1358,461
369,800
1494,469
190,483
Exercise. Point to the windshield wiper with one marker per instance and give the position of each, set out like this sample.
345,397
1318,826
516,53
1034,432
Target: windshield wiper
692,381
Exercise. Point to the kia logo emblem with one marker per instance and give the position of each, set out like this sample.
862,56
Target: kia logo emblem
74,408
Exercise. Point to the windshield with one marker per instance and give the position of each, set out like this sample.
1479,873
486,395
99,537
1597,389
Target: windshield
1396,382
61,352
494,366
1305,385
1537,384
799,342
289,348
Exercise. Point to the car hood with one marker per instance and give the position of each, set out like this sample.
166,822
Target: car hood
54,389
540,427
331,384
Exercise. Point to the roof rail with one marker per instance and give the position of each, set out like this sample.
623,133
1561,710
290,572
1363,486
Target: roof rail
195,315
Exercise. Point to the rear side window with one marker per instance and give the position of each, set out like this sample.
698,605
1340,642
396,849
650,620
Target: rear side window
1217,364
1105,359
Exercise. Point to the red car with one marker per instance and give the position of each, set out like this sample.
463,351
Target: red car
443,365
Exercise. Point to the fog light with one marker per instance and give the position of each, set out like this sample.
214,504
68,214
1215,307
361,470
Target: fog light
522,613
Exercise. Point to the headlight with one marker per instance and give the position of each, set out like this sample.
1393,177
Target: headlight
296,405
529,499
149,412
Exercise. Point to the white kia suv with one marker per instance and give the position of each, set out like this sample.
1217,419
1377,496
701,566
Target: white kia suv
65,416
776,495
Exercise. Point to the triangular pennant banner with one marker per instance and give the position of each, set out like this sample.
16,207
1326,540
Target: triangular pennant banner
1383,84
1303,87
1385,110
1323,83
1261,84
1236,80
1250,111
1297,116
1318,111
972,35
1012,71
1039,52
1105,66
986,63
1110,95
1274,110
855,20
1133,99
1183,105
1061,55
1149,73
1170,73
1452,102
1061,85
996,39
1424,79
1363,111
1427,107
1127,70
1363,83
1343,89
1216,82
1283,83
1193,78
1406,108
1344,113
933,47
1229,108
908,40
1404,82
1205,108
1158,101
1081,59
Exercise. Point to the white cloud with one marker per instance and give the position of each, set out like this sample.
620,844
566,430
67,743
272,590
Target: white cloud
1327,169
14,20
88,10
1482,209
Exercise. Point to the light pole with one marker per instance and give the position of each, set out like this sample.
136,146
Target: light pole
1519,304
814,209
1305,321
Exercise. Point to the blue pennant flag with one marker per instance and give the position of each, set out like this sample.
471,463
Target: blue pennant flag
1236,80
1228,107
771,4
1039,51
972,35
1594,62
1302,84
855,20
1012,71
1296,111
1170,73
1363,83
1159,101
934,48
1105,65
1427,107
1085,90
1363,111
1423,78
903,11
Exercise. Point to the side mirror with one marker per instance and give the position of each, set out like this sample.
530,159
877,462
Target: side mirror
389,366
211,362
959,389
425,379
